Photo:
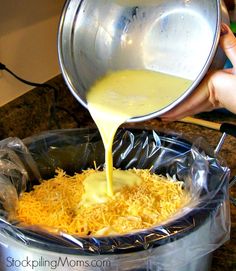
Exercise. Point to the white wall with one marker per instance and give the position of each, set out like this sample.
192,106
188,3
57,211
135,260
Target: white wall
28,43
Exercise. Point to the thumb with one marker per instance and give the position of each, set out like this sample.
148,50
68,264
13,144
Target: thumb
228,44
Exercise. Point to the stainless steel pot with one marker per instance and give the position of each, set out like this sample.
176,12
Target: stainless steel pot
176,37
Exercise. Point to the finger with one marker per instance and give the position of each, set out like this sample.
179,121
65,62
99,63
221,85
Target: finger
203,107
229,71
224,89
228,44
198,97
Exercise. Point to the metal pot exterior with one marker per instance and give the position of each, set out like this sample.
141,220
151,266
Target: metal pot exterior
16,256
175,37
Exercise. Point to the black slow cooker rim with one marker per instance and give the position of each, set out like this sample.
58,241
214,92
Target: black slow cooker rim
33,239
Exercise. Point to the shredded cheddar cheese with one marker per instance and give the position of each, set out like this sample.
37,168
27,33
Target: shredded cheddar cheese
55,204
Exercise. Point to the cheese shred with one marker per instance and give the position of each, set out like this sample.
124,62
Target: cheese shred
56,204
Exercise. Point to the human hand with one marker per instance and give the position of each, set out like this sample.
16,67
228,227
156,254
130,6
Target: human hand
217,90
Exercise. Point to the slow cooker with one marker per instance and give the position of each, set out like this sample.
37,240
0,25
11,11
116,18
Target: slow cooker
183,243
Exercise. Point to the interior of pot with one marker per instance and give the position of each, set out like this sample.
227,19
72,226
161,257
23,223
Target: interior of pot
77,149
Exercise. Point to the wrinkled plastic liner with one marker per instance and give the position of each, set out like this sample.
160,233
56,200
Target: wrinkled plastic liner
24,163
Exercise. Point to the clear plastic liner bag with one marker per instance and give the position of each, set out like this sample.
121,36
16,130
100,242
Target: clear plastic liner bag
197,230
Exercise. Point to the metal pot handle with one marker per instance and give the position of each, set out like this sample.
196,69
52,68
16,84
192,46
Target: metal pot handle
231,184
226,129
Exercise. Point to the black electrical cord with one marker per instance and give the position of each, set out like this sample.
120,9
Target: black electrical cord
55,107
3,67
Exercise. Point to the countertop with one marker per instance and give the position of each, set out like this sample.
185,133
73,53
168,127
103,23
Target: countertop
46,109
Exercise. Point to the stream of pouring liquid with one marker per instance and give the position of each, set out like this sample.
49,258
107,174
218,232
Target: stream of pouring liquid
122,95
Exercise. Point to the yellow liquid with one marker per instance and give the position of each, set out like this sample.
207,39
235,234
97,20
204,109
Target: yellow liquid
118,97
95,185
